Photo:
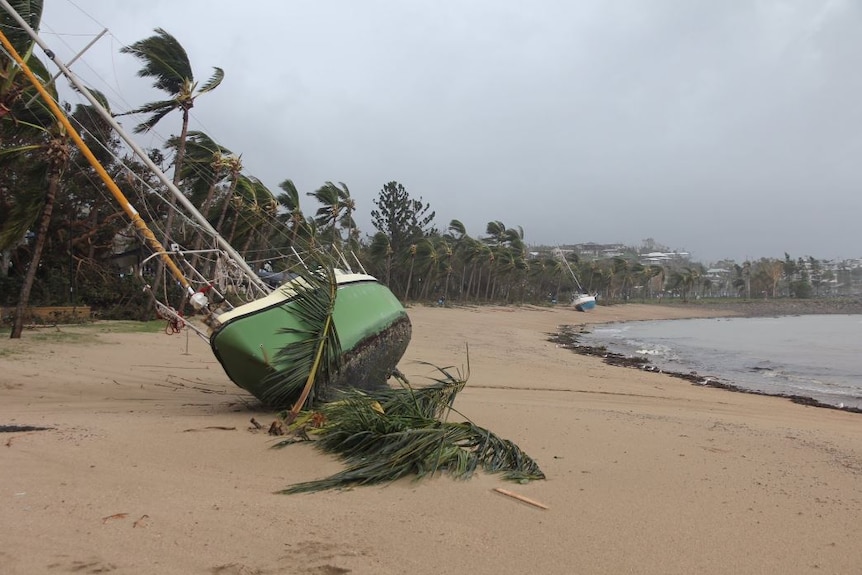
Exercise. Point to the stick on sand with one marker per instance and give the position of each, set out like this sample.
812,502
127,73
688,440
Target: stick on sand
520,497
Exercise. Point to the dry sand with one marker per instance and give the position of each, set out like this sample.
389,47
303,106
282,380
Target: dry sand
149,466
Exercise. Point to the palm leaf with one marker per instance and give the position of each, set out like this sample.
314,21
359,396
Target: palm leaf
393,433
315,357
159,110
164,59
213,82
31,12
29,199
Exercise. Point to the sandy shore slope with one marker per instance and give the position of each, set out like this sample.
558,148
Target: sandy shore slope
149,466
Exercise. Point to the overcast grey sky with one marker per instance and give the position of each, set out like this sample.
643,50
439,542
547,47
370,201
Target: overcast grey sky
727,128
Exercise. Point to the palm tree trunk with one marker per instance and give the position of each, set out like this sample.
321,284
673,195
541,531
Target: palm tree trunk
461,291
5,262
429,280
409,279
169,223
245,247
233,225
41,238
199,236
389,270
226,204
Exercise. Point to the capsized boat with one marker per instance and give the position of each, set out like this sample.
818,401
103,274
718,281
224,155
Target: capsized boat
584,301
373,330
249,322
581,300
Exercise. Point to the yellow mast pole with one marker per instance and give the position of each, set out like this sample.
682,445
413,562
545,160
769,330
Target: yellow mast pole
130,210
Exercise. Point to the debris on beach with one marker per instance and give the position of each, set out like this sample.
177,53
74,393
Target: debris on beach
520,497
21,428
384,435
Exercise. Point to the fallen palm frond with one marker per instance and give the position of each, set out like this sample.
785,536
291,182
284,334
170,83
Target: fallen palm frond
316,356
393,433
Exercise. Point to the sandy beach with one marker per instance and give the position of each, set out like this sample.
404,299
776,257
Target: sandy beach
149,465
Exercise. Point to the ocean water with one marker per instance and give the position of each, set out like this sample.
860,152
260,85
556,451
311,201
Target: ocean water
816,356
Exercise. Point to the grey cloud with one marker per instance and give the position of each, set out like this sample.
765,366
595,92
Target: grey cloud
726,128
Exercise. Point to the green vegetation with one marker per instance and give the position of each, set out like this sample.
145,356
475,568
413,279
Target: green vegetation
394,433
64,241
151,326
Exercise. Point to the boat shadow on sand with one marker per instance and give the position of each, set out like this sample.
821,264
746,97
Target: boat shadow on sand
568,338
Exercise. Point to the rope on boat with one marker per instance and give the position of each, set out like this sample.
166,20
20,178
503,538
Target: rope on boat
175,320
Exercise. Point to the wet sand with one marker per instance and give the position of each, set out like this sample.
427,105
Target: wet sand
149,465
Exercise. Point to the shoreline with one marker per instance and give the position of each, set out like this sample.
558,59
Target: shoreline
567,338
768,307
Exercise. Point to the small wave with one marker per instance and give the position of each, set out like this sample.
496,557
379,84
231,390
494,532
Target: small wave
609,331
650,352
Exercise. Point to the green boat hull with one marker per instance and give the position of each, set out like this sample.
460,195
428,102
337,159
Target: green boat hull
372,325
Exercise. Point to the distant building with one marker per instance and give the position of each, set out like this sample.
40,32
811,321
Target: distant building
661,257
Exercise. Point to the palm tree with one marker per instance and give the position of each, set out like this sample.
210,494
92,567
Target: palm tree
206,164
166,61
346,220
52,154
289,200
334,200
448,254
233,164
685,279
261,211
251,201
622,270
482,256
381,249
650,272
460,253
38,136
412,250
508,254
431,261
15,85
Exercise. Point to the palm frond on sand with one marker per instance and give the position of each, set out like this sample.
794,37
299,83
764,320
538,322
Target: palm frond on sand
393,433
316,355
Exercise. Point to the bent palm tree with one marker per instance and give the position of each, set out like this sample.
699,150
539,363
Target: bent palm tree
166,61
337,206
48,148
37,135
206,164
293,217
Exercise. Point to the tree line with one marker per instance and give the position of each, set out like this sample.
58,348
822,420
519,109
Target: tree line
64,240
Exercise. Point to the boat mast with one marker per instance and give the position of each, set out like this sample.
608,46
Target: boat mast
133,214
565,261
181,198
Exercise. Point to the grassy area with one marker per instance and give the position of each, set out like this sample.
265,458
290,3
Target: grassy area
153,326
85,333
55,335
